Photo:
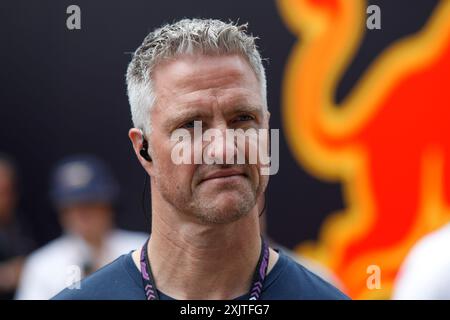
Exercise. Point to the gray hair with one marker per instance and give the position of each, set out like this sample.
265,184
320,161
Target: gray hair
187,36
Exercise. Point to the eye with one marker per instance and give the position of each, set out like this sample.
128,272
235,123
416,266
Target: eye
188,125
243,118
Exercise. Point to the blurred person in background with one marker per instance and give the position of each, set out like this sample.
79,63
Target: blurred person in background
15,242
425,273
83,191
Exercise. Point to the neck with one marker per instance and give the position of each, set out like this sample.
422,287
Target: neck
190,260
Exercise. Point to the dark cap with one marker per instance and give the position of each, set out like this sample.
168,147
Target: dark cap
82,179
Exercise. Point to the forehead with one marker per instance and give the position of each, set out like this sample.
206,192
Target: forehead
199,78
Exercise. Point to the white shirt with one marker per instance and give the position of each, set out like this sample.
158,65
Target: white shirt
425,273
59,264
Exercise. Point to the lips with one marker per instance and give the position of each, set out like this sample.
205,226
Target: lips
224,173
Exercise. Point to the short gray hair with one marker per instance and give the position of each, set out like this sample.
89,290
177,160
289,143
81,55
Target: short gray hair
187,36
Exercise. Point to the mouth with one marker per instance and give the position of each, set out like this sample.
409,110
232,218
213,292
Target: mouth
224,175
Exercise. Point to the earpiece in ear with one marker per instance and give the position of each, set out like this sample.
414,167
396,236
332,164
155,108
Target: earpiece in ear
144,151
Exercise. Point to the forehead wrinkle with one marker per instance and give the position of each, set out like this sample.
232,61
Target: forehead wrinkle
183,77
204,103
199,82
193,91
177,85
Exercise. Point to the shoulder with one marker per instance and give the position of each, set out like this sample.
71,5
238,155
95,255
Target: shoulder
44,271
291,281
49,253
122,241
129,236
118,280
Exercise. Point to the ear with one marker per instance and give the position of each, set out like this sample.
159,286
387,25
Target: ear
136,138
267,117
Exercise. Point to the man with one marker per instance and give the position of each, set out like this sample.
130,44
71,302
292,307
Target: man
83,191
15,240
205,240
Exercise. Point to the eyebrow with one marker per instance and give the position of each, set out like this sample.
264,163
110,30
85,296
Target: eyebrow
243,108
185,115
192,113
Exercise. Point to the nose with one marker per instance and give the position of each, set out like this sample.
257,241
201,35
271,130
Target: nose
219,149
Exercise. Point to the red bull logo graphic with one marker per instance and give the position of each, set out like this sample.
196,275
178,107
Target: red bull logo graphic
388,142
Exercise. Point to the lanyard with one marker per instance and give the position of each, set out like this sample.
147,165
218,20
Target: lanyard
259,276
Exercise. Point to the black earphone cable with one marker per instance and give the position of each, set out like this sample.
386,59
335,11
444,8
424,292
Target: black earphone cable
143,199
263,210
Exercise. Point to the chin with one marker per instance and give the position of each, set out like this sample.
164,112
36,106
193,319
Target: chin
220,217
226,207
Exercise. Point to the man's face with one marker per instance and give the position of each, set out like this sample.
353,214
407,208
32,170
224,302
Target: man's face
91,220
223,93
